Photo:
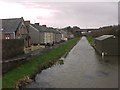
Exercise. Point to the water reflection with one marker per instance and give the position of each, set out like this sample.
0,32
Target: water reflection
82,68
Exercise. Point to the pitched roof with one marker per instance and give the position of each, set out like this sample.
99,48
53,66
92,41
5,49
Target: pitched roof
37,27
45,29
103,37
11,25
41,28
54,30
30,27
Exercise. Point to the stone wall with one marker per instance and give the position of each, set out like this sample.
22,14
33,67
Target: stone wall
12,48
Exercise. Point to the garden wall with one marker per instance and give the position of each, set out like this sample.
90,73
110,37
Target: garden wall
12,48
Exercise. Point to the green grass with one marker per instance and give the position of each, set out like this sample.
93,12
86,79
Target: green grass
32,67
90,40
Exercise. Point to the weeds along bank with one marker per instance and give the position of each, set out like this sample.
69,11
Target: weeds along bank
90,40
39,63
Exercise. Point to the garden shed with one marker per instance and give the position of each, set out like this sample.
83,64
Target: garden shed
107,44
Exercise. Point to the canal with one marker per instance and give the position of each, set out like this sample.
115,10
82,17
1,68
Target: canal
82,68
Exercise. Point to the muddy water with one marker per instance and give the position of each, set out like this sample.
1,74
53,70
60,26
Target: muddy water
82,68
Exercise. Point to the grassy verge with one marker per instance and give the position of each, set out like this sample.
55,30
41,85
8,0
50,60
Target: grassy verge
90,40
32,67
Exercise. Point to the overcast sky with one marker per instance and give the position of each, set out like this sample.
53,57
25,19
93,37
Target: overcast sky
61,14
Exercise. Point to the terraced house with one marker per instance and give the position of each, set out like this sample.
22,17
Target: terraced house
34,33
64,35
40,34
57,36
48,35
15,28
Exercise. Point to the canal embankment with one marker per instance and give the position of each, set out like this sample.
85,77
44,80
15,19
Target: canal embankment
32,67
82,68
105,45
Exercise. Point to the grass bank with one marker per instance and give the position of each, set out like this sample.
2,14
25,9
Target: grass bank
90,40
33,66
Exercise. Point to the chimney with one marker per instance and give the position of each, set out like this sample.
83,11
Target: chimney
37,24
21,17
27,22
44,25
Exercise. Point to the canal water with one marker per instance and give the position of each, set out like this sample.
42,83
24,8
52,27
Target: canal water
82,68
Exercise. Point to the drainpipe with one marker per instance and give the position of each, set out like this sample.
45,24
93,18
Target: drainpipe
14,34
103,54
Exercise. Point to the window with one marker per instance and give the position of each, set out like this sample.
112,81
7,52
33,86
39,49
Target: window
7,36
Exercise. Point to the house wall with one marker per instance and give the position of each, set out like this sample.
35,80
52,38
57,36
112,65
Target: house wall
42,37
64,35
98,46
58,37
5,34
48,38
52,37
34,34
21,30
23,33
108,46
45,37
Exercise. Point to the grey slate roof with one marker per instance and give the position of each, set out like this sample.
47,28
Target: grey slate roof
54,30
103,37
40,28
11,25
45,29
31,27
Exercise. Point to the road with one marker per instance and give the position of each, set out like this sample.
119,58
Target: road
82,68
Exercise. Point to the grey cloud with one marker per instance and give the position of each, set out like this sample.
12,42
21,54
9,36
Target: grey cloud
83,14
86,14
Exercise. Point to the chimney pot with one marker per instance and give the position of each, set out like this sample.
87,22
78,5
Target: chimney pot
37,24
27,22
44,25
